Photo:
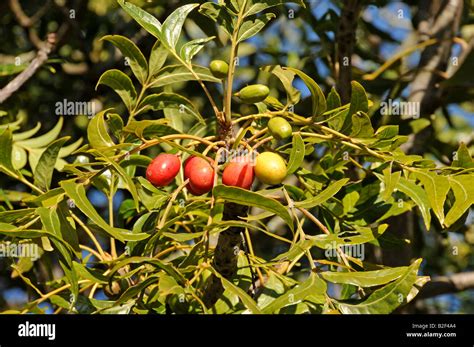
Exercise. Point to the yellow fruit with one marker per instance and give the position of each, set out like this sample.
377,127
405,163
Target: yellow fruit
270,168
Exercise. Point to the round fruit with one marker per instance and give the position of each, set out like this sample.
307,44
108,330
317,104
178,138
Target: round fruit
238,173
163,169
254,93
280,128
201,175
270,168
219,68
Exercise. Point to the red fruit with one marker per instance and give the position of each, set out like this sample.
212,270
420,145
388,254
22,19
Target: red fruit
163,169
238,173
201,175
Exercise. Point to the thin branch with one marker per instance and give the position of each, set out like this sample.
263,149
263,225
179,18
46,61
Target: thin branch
26,74
447,284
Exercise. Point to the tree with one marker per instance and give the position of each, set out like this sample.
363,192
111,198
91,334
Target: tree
171,249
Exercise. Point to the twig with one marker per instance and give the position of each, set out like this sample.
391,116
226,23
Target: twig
26,74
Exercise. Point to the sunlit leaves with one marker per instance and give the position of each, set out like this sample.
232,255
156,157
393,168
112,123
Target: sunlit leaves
122,85
97,132
296,155
178,73
286,77
171,29
463,189
317,96
252,26
78,194
387,298
245,197
45,167
191,48
436,187
134,56
419,196
145,19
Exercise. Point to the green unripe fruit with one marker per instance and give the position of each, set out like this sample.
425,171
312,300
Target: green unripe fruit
219,68
280,128
253,94
270,168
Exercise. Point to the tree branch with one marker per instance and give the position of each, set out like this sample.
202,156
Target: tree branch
345,47
26,74
447,284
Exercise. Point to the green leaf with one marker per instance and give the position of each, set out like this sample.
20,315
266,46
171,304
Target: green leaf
361,125
359,101
252,26
219,14
149,128
125,177
135,57
386,299
323,196
387,132
243,296
45,167
254,6
172,26
286,77
158,57
462,157
6,151
122,85
19,157
390,181
191,48
11,69
334,100
419,197
27,134
97,133
313,286
463,189
177,73
436,187
248,198
161,101
43,140
145,19
318,99
78,194
51,223
418,125
356,237
296,155
115,124
365,278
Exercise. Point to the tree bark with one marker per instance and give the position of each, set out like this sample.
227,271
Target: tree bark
345,47
225,254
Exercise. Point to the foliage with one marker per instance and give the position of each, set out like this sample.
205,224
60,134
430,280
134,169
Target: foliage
346,178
